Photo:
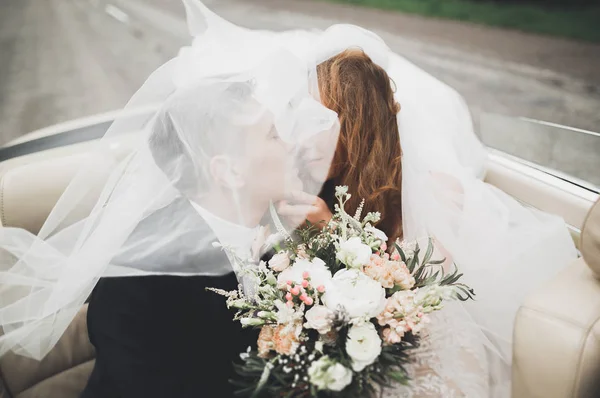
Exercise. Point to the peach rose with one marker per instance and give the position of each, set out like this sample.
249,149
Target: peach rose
286,338
265,341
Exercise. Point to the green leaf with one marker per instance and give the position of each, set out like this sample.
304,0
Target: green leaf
429,251
400,377
400,252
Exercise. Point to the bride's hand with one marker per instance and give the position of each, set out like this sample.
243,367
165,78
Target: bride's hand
301,207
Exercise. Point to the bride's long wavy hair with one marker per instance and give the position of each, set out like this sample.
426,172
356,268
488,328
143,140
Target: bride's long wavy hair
368,154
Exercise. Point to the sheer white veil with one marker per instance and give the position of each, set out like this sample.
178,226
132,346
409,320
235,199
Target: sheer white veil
503,248
231,116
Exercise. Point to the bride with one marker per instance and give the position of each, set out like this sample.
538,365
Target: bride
426,173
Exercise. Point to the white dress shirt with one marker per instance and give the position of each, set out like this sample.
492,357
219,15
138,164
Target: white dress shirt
234,236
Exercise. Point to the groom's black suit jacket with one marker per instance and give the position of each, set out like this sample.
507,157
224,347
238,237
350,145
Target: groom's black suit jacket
166,336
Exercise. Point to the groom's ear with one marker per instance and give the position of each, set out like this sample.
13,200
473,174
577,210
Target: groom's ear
225,173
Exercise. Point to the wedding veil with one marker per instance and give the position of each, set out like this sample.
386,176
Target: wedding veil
503,248
231,116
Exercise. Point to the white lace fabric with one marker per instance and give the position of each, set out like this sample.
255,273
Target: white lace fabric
451,361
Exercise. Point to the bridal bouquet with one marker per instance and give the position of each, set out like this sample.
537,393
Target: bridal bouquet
338,312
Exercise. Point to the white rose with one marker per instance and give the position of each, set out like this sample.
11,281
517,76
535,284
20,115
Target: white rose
353,253
279,262
318,272
361,296
379,234
326,374
319,318
363,345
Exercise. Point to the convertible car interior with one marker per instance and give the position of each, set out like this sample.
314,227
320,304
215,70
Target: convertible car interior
557,331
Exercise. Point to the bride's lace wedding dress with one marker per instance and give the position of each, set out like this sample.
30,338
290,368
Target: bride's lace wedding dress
450,361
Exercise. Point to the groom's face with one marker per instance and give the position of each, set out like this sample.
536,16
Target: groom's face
267,166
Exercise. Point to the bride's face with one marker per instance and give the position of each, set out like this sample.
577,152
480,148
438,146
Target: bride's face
316,155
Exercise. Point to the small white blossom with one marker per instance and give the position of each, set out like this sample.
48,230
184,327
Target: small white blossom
286,314
279,262
408,247
379,234
319,346
252,322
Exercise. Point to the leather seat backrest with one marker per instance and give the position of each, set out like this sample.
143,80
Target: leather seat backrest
590,239
556,350
29,190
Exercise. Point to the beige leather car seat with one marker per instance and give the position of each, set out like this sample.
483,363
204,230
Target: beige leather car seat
556,351
63,373
27,194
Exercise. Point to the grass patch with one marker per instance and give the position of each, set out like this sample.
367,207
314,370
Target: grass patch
575,22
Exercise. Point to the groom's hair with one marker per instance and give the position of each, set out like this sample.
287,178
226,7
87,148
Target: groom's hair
194,125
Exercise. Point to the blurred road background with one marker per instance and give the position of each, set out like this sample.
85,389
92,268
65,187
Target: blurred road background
64,59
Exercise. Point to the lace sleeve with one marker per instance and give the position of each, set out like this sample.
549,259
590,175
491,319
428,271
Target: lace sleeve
452,361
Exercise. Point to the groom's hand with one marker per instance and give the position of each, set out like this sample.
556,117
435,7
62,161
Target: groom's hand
301,207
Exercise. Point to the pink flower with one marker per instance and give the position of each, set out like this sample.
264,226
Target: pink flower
402,315
402,276
390,336
305,283
389,273
377,270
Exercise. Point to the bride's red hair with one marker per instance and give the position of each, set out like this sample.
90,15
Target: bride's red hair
368,154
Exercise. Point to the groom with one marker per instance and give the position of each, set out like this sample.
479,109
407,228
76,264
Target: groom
166,336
